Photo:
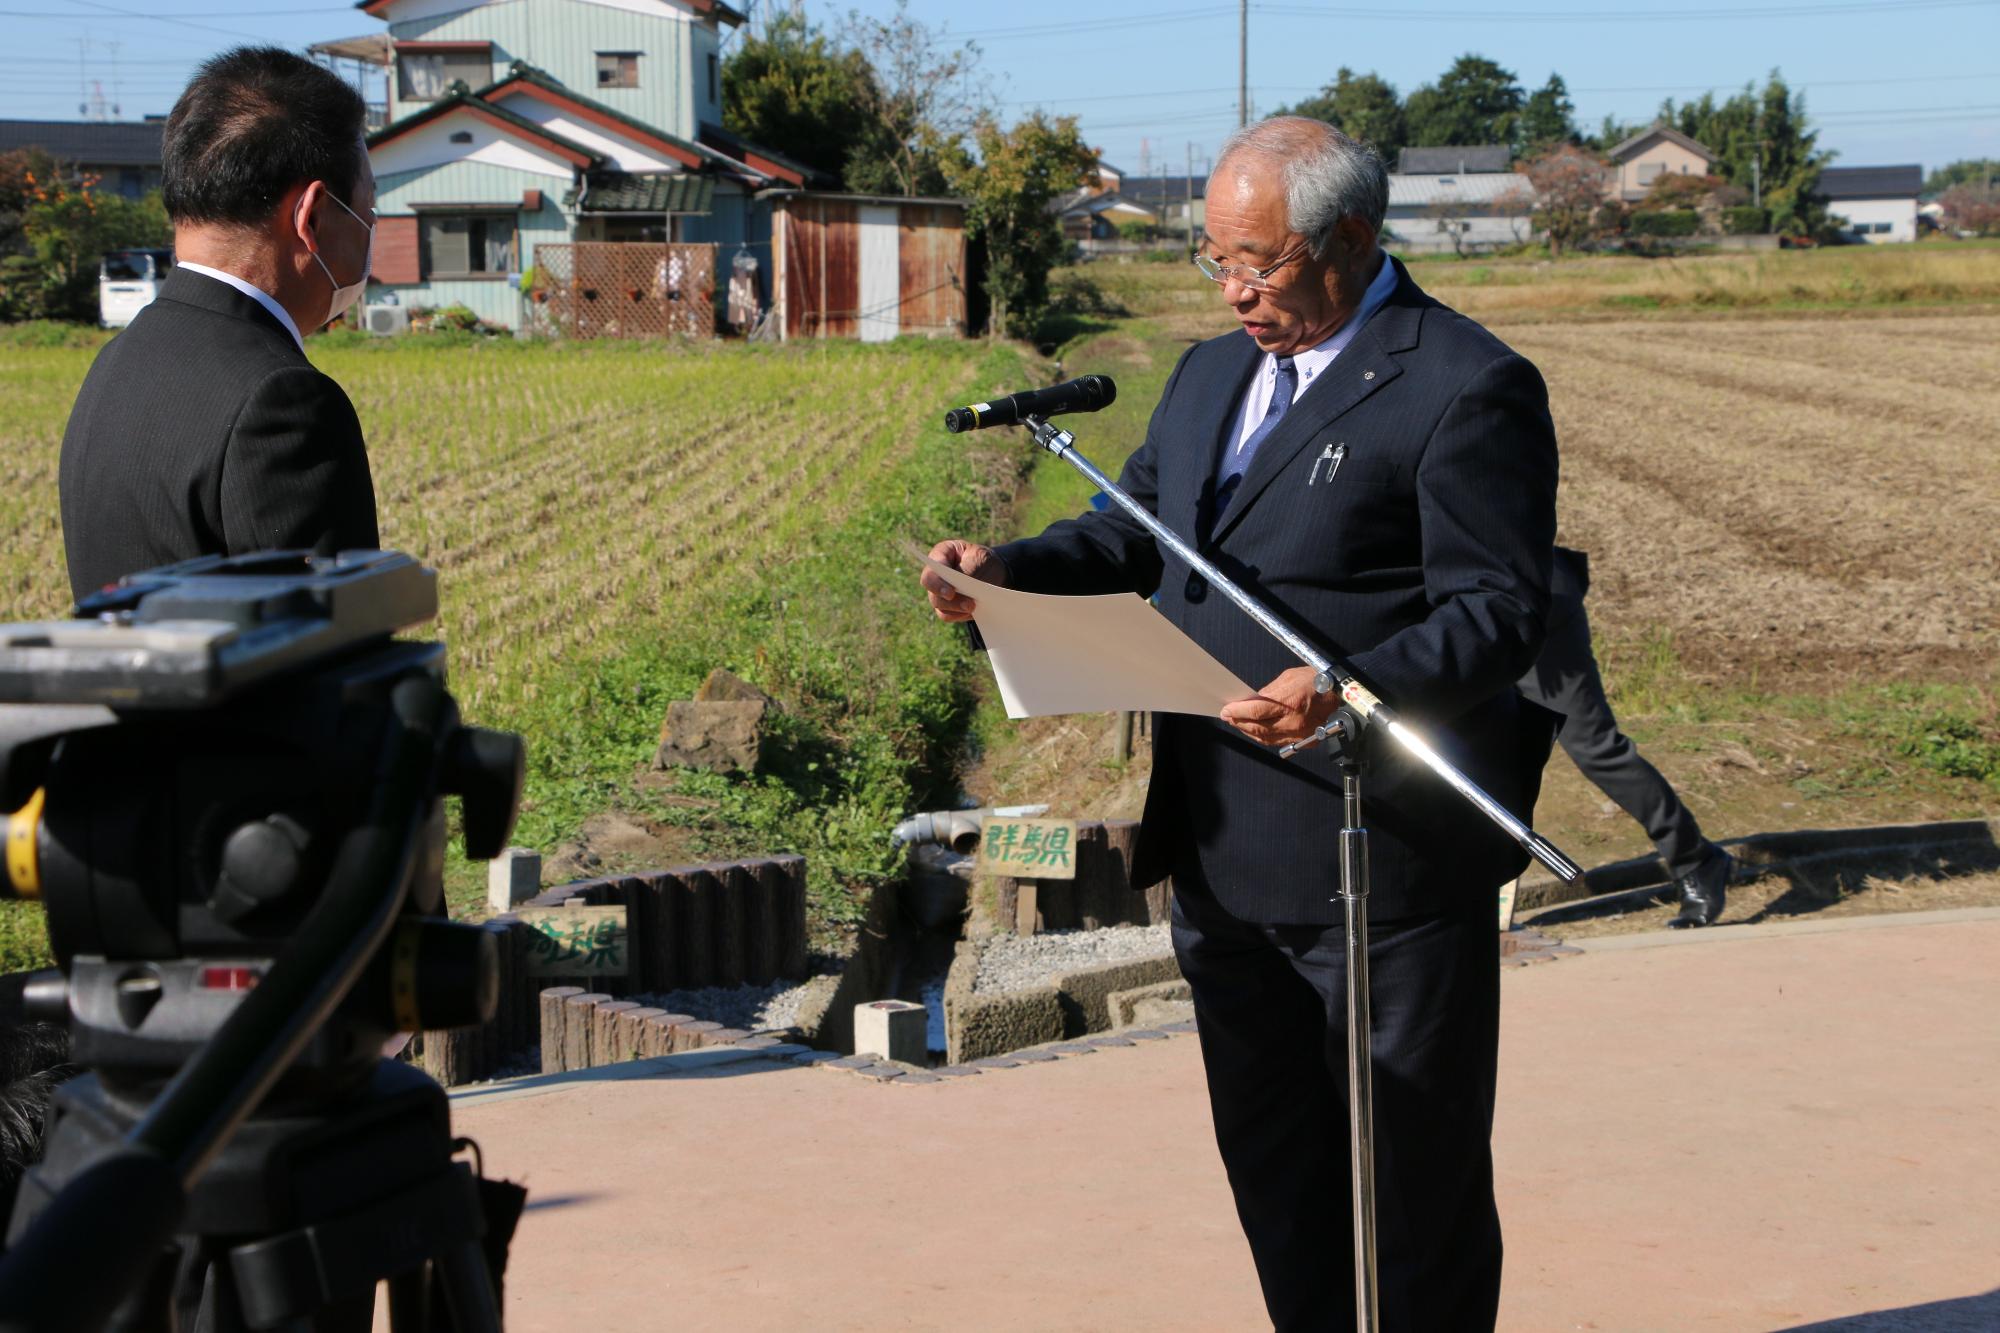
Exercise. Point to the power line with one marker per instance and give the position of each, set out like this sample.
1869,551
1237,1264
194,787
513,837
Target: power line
1811,9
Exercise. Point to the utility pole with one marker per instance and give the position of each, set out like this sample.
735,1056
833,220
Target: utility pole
1242,63
1190,198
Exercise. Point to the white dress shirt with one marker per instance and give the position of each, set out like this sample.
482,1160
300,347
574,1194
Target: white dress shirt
1313,360
265,299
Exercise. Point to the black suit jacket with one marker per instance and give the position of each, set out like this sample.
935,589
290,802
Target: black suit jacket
203,430
1424,562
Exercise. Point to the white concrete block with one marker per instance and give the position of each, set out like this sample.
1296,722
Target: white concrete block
891,1029
512,878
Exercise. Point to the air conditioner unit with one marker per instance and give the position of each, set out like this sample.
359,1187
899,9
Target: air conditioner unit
387,319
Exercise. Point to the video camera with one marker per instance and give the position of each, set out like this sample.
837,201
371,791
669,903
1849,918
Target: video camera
227,780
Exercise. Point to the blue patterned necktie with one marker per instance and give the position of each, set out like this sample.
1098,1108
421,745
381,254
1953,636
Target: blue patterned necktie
1238,462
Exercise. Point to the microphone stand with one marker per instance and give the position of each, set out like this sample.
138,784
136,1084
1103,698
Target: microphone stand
1359,713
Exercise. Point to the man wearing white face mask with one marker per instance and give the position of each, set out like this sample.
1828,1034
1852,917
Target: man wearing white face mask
202,429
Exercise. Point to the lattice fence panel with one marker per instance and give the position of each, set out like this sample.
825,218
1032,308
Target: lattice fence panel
624,289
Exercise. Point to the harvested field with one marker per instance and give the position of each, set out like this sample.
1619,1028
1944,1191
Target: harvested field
568,497
1793,502
1794,528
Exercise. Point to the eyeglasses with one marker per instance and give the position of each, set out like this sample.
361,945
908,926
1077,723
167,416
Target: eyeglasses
1256,279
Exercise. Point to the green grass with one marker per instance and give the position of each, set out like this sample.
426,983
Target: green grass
609,522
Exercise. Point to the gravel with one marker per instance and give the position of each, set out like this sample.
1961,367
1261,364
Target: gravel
752,1008
1012,962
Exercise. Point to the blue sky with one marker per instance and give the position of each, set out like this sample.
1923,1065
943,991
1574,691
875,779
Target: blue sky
1886,80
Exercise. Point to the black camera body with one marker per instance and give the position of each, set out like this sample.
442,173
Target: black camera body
227,781
199,742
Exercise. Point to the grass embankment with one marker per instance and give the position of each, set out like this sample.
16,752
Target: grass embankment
611,522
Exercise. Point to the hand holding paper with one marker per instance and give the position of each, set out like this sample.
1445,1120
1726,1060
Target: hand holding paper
1090,654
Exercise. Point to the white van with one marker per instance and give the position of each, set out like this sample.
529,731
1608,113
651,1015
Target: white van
127,282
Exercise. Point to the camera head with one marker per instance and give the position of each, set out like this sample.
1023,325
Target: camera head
184,760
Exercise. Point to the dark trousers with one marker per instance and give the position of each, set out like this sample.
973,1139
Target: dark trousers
1270,1002
1565,681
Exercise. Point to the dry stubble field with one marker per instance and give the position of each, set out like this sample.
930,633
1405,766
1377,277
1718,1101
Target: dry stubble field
1794,526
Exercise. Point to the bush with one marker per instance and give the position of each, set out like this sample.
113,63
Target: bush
1679,222
1746,220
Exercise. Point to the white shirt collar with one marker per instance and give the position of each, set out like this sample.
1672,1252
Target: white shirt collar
257,294
1313,360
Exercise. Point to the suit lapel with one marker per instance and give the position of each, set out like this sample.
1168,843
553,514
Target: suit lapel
1215,422
1363,367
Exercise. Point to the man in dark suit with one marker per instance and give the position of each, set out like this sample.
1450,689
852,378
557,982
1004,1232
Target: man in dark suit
202,429
1565,681
1381,472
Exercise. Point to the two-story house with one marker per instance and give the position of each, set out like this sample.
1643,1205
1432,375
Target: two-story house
1651,154
515,123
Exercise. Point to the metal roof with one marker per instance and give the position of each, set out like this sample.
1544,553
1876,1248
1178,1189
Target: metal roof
643,192
1463,159
1667,132
1161,189
86,142
1900,182
1478,187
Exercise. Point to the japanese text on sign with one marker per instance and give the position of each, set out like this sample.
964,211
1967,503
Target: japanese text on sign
1028,848
577,941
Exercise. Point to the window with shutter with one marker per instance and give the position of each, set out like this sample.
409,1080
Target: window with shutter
423,76
468,245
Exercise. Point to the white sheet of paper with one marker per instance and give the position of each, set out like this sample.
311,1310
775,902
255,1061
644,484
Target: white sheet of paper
1092,654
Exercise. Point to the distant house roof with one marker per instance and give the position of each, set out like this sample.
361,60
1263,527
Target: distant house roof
1463,159
92,143
1476,188
719,150
1090,205
1152,190
642,192
1638,142
1902,182
722,13
375,48
513,123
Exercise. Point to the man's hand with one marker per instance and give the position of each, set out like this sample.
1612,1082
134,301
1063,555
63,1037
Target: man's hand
1286,710
977,561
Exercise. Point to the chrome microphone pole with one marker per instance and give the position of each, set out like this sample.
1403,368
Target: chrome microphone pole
1359,712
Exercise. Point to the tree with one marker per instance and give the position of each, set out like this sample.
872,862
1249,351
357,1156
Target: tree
1547,119
1762,142
1475,102
1361,106
1447,218
794,92
1017,173
61,227
1568,186
1969,171
1973,208
925,97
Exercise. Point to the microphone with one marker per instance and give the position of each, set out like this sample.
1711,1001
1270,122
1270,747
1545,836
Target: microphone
1087,393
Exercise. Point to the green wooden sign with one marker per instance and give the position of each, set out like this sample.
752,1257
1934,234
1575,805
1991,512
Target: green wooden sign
577,941
1028,848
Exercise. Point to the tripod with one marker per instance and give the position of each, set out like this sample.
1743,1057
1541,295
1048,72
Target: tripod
302,1213
286,1165
1353,724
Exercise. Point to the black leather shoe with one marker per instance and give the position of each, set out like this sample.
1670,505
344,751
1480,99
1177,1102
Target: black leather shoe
1703,892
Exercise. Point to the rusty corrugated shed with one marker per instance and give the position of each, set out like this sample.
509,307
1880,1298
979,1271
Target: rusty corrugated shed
818,258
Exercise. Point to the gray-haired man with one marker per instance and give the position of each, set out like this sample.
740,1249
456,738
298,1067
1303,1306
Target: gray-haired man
1382,472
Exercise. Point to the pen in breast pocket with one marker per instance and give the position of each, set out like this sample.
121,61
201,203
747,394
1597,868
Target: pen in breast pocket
1333,456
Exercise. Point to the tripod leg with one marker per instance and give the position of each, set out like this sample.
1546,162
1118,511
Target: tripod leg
468,1289
1360,1048
409,1300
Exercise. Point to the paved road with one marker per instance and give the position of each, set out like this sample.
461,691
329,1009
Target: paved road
1756,1129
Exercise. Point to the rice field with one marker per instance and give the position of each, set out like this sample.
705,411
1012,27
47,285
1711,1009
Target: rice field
569,497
